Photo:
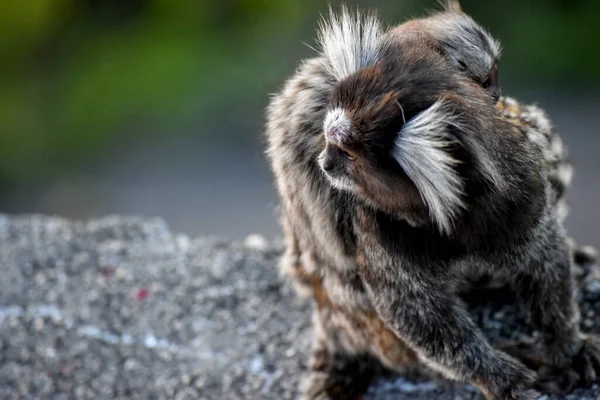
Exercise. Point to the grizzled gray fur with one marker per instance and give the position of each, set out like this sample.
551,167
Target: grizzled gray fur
404,177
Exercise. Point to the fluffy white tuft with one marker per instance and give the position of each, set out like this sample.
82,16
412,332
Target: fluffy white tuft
420,149
337,126
350,42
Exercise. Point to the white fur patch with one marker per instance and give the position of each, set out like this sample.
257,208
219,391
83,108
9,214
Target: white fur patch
337,126
350,42
420,149
341,183
556,146
565,174
537,117
562,210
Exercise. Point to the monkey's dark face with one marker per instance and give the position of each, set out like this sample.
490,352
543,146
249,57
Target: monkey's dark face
411,127
336,163
407,133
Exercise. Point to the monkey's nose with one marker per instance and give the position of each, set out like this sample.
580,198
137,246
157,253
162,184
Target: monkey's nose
327,165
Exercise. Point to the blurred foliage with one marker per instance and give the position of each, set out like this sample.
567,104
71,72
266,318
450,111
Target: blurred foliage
80,76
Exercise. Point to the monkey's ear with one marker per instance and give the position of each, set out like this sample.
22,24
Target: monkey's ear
450,5
467,45
421,149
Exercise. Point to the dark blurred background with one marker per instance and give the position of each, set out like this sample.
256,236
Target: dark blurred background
155,107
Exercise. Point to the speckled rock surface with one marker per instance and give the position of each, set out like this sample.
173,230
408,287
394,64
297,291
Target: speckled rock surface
121,308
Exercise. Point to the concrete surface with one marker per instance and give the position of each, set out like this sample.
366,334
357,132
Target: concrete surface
121,308
215,179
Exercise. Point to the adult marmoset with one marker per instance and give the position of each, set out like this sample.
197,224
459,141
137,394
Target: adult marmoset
401,176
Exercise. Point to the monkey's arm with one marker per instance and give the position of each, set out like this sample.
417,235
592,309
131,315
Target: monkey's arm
421,310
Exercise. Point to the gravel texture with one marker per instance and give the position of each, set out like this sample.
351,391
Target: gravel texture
121,308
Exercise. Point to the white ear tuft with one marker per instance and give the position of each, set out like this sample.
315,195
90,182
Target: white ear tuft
420,149
351,42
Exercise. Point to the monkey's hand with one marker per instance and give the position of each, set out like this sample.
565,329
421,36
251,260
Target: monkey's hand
587,361
583,368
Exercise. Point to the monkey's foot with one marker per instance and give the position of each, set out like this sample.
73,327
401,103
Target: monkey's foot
583,370
515,393
516,382
339,377
585,366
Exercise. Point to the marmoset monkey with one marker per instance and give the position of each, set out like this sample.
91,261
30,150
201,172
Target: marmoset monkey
401,175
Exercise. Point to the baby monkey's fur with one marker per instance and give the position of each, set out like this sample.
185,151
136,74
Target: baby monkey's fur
401,176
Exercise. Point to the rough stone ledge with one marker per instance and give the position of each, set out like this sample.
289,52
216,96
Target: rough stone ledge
121,308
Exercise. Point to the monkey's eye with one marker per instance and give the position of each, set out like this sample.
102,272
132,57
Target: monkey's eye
490,83
349,156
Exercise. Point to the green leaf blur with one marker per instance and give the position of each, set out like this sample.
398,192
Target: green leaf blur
80,77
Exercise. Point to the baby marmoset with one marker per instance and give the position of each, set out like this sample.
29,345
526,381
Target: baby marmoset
401,175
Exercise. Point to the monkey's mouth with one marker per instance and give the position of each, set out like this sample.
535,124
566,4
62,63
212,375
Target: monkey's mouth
340,182
335,173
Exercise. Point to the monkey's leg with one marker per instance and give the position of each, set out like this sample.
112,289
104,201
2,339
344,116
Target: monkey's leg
425,315
547,288
334,371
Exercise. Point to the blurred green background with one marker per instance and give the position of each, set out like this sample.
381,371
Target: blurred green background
156,107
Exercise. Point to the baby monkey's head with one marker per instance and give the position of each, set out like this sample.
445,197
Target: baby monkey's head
411,126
